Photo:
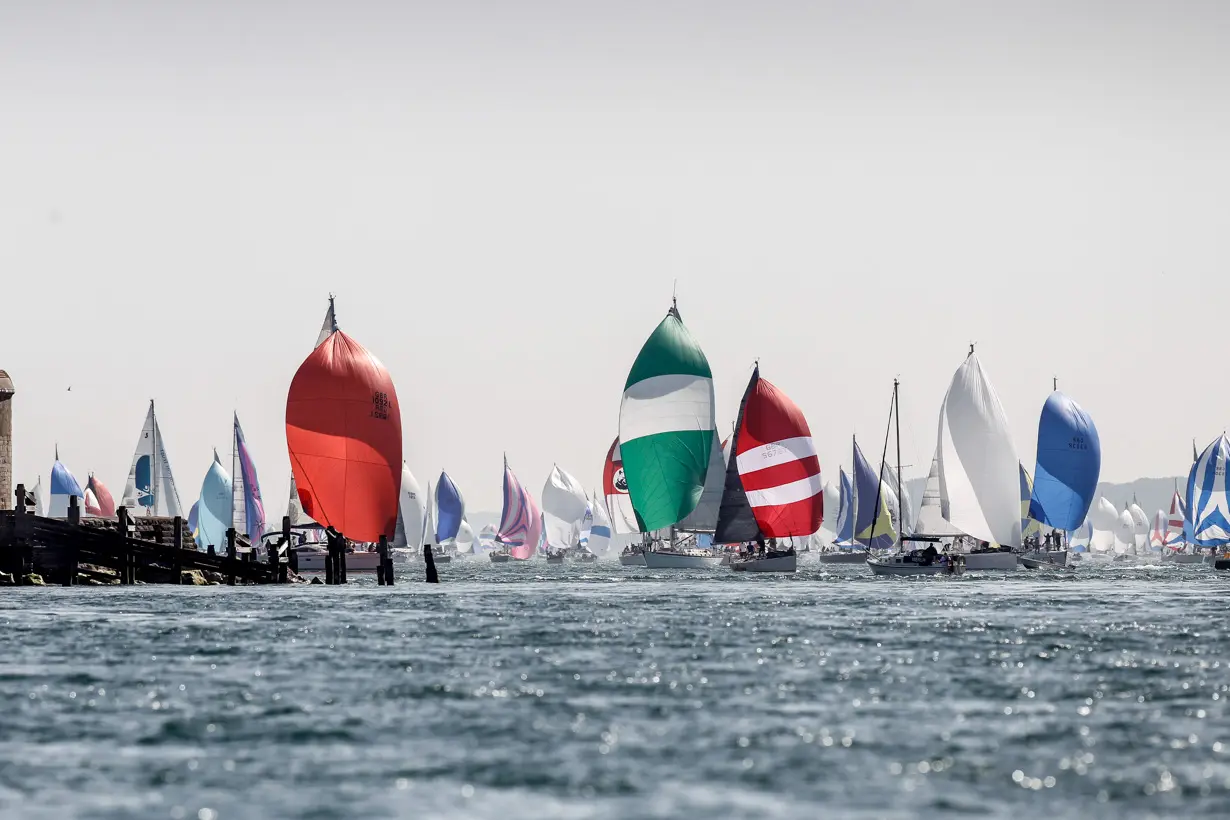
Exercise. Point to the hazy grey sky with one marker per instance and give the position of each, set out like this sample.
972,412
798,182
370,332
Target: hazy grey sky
501,195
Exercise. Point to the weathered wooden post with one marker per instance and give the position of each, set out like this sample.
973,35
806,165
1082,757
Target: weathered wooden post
432,576
74,518
292,560
230,556
382,551
340,570
330,560
177,535
121,528
74,511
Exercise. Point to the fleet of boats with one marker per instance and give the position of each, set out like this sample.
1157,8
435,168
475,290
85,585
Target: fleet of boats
752,503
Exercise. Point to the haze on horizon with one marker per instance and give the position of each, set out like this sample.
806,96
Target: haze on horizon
503,196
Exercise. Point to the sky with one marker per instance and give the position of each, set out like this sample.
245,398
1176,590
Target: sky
503,197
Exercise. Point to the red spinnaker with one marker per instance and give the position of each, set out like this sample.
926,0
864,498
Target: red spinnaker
777,464
343,431
106,504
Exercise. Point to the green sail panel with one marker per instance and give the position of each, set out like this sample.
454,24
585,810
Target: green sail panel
666,426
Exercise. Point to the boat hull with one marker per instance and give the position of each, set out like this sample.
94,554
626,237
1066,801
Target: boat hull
314,561
555,559
844,557
888,567
1033,563
637,560
776,563
585,558
1183,558
678,560
991,561
499,557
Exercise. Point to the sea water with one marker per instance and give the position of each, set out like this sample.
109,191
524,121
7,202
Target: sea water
599,691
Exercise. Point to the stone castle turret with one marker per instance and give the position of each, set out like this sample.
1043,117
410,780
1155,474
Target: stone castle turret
6,441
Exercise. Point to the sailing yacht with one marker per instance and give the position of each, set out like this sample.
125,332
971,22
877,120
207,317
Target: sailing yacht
150,484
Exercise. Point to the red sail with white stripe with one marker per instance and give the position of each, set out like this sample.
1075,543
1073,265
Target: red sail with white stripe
777,463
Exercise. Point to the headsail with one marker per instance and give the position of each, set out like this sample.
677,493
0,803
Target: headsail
329,326
873,526
521,520
214,508
1208,495
64,485
774,472
248,514
845,513
343,431
105,503
615,489
980,482
563,505
667,429
1068,466
930,513
704,518
465,538
450,509
411,510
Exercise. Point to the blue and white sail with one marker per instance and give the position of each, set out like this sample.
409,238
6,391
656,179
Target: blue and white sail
1208,498
844,528
64,485
873,526
600,528
150,484
450,511
1068,466
1079,540
214,507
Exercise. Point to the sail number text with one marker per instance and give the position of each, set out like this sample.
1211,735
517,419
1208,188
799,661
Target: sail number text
380,405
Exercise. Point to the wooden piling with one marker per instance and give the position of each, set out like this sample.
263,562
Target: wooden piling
230,556
340,569
177,535
74,518
382,551
121,521
432,576
290,561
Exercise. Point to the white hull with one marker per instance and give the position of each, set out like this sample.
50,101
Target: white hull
844,557
1001,561
1183,558
777,563
635,560
313,560
679,560
887,566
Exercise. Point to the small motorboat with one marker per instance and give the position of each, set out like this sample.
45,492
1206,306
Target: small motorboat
786,561
499,557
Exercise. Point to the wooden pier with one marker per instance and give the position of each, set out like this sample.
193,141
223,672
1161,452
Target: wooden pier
137,550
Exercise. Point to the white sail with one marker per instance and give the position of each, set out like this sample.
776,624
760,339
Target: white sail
901,510
1103,518
1140,527
980,479
429,524
1080,538
328,327
600,528
704,517
930,514
563,504
1125,533
465,538
150,485
411,512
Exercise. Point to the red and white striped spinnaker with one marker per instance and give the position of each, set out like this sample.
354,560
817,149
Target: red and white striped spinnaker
773,485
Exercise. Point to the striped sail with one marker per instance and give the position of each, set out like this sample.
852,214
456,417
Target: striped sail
486,538
1069,463
980,481
615,489
600,528
667,429
1157,533
248,508
1176,523
873,526
1208,496
521,521
774,472
450,509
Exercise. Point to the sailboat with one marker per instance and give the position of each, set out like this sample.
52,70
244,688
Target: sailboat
411,513
846,549
668,441
520,527
214,508
37,493
150,484
563,506
1069,462
1208,498
1176,543
772,486
343,435
64,486
450,513
98,499
247,506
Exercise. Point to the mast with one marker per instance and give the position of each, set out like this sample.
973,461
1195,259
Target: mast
900,498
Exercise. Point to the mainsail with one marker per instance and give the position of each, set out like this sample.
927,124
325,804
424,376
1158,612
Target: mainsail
450,509
214,507
521,520
667,429
329,326
411,511
1069,463
1208,496
563,505
64,485
980,482
930,512
248,509
343,432
772,481
615,489
150,483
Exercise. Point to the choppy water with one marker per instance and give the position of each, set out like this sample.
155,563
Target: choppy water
539,691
